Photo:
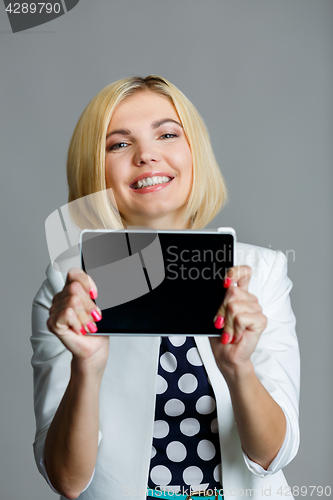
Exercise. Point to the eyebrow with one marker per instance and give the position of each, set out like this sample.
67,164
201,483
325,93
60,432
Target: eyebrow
154,125
121,131
158,123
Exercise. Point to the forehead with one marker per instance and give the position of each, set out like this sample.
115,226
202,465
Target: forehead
143,106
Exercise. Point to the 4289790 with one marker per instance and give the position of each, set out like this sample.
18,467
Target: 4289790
315,491
33,8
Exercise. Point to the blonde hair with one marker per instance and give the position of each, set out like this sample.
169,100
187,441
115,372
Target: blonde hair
86,155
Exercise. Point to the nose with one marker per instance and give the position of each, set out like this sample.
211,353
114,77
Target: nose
146,153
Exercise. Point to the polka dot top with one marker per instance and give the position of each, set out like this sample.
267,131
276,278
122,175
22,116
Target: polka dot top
185,448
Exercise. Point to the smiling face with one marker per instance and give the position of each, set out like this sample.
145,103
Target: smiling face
148,162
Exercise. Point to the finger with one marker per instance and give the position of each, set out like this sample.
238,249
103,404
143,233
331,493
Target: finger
248,322
255,322
67,320
76,288
87,283
75,298
233,294
238,275
233,326
93,314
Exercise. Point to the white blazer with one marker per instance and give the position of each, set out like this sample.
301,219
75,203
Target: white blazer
128,391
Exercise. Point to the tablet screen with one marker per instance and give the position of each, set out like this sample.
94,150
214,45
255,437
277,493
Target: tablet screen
157,282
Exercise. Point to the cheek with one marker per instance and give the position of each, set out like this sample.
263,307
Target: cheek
111,175
188,162
187,157
184,160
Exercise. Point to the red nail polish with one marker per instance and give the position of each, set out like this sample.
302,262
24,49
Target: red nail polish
219,322
83,331
93,294
95,315
224,338
91,327
227,282
233,340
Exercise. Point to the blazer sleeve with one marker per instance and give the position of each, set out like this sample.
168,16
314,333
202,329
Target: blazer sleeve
51,370
51,363
276,359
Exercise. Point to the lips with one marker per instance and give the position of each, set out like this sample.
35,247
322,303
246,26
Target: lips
151,179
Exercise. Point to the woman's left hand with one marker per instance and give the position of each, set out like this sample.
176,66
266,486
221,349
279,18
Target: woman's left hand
242,320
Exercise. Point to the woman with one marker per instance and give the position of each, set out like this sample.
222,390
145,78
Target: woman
95,396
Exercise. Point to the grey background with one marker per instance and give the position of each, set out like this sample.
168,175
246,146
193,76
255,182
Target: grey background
260,73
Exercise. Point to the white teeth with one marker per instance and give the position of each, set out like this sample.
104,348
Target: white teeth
151,181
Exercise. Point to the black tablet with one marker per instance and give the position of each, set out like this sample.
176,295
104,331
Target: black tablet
158,282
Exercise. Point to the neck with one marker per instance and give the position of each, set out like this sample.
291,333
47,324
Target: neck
157,223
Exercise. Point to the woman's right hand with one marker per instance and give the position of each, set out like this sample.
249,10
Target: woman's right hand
73,314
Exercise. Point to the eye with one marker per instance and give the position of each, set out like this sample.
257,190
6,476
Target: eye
118,145
168,136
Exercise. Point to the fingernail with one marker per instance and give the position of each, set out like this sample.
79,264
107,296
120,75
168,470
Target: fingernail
219,322
93,294
233,340
227,282
224,338
95,315
83,331
91,327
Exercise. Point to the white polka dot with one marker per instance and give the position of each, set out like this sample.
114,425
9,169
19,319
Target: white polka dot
189,426
161,429
214,426
177,340
187,383
206,450
161,385
205,405
174,407
168,362
176,451
160,475
153,452
192,475
217,473
193,356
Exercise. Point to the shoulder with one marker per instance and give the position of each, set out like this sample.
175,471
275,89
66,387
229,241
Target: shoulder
269,268
252,254
259,258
